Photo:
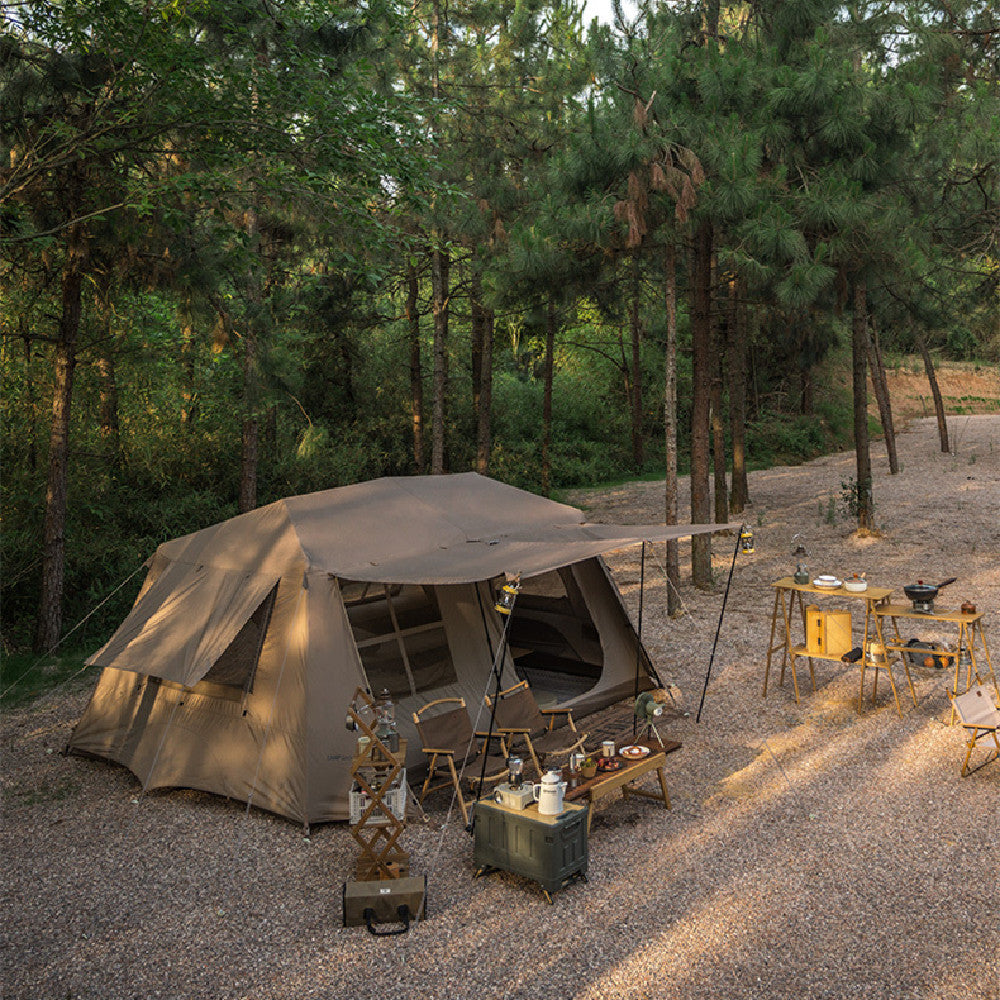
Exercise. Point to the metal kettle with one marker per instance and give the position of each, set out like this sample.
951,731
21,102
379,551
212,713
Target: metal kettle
549,794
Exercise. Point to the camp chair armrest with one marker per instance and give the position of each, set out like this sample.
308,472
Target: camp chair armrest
508,731
553,712
442,752
577,744
497,734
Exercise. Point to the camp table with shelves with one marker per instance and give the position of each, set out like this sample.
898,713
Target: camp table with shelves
970,628
788,595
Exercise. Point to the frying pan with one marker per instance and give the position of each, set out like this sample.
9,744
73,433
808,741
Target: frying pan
925,592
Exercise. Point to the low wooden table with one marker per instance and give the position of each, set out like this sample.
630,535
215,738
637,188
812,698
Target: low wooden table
604,783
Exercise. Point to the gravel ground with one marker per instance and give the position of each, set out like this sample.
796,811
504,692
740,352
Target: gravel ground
811,851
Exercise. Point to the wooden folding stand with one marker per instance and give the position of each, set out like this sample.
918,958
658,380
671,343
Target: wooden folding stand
378,828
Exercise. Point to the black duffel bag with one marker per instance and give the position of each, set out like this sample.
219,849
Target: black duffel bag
917,652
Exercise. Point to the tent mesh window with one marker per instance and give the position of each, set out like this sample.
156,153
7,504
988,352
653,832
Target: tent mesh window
237,666
400,637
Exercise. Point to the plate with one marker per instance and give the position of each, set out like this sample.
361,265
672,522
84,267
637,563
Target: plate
826,581
609,764
634,753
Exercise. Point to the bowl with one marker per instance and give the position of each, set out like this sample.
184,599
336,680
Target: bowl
856,586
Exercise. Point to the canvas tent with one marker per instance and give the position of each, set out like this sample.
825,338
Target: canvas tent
234,668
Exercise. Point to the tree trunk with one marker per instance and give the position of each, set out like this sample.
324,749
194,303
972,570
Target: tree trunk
550,346
670,430
636,331
482,370
736,355
881,387
416,377
936,393
250,450
484,422
107,383
701,347
110,427
439,307
29,400
189,407
859,356
721,493
50,599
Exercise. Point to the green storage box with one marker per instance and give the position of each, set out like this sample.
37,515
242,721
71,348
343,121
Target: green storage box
550,850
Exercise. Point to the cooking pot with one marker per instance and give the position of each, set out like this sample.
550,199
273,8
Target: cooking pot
925,592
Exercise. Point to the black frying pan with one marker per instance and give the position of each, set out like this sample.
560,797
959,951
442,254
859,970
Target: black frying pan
924,592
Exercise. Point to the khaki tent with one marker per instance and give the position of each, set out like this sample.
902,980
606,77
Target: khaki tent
233,671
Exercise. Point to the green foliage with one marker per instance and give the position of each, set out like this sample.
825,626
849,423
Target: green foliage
24,676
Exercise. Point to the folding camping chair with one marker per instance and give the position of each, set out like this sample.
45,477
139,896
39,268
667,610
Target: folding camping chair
980,718
447,737
519,717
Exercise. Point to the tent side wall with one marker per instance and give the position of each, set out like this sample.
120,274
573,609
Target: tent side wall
333,673
250,748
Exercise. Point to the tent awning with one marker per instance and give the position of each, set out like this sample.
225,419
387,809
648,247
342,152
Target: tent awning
530,552
184,622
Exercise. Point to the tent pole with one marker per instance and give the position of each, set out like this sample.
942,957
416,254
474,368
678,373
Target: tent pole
718,627
638,648
497,673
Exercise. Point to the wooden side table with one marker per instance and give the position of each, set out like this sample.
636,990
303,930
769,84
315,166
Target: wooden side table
598,788
788,596
970,628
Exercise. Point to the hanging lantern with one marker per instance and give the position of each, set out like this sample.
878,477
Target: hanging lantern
746,540
507,595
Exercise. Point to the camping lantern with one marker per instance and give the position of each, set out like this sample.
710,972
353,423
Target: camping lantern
648,708
746,540
385,721
801,575
507,596
515,772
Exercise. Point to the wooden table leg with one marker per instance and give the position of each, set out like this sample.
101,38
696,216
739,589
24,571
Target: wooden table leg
786,611
664,797
770,643
978,627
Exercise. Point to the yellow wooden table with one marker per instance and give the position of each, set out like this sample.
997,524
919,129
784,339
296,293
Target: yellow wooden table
970,628
788,596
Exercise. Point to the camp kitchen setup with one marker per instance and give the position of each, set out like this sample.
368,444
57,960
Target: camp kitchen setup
340,656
